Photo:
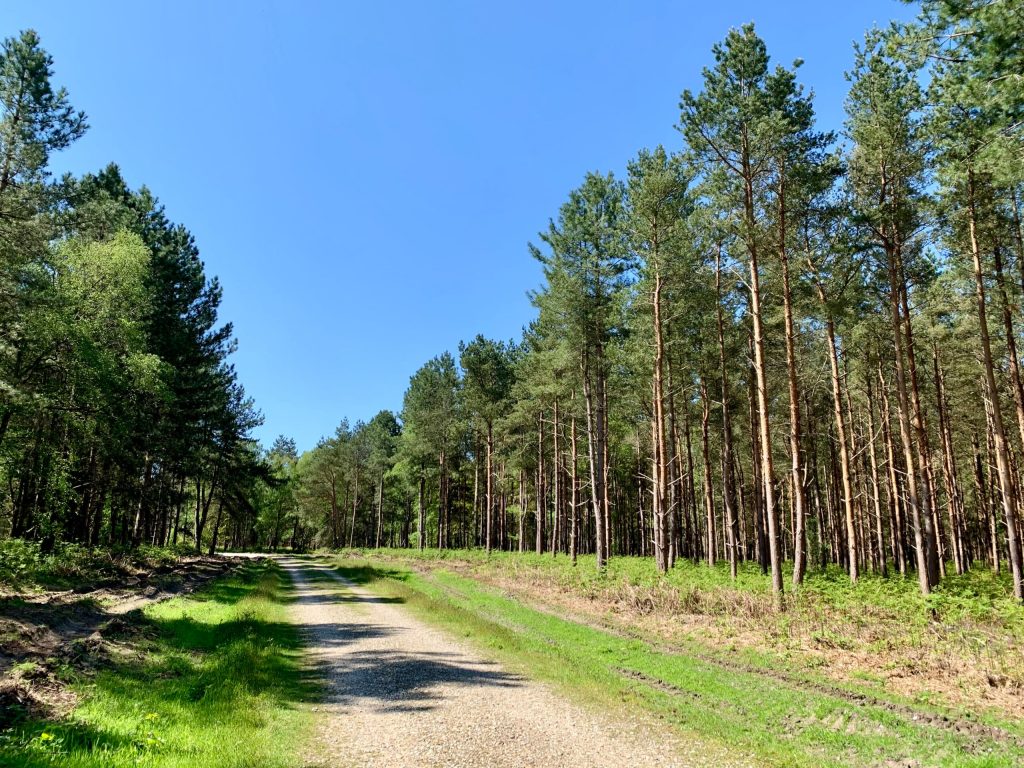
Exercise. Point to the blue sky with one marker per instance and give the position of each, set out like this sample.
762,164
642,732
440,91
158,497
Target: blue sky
364,177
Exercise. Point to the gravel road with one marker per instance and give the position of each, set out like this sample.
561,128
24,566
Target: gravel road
401,693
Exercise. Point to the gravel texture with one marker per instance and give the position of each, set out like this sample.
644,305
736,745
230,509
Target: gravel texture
400,693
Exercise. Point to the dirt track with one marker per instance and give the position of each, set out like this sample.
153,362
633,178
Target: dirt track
400,693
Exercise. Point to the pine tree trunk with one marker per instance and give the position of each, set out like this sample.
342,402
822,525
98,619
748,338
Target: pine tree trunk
1016,384
200,517
556,469
995,409
479,524
709,497
1018,235
216,528
595,447
949,474
658,429
756,465
380,509
692,540
573,500
423,512
727,459
489,515
991,485
767,469
981,503
845,473
679,479
606,467
897,526
875,484
796,470
929,511
355,505
539,487
921,539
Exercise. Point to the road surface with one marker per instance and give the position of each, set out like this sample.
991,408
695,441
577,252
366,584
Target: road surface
398,692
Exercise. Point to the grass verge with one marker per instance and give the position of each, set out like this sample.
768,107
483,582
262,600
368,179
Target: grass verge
214,679
961,647
781,724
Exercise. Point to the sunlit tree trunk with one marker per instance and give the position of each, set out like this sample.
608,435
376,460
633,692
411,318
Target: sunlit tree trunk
995,409
727,458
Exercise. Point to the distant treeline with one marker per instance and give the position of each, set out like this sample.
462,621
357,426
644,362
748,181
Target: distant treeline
769,342
121,420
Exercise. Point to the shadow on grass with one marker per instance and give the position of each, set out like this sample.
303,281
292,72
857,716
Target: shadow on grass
63,617
227,592
368,574
174,676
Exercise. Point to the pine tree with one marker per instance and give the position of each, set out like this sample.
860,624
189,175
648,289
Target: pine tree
586,268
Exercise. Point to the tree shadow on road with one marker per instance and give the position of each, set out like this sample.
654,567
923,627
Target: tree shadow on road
396,681
307,597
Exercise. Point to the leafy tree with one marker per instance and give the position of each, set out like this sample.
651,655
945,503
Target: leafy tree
660,204
739,129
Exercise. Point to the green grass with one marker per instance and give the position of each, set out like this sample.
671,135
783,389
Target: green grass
743,711
971,618
219,684
977,595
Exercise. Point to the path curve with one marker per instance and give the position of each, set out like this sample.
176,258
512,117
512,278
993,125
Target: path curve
401,693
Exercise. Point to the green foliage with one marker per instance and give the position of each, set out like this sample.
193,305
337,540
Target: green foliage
489,376
431,411
115,388
25,566
37,119
586,268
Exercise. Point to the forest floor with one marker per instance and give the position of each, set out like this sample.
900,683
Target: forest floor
44,630
820,684
962,647
214,678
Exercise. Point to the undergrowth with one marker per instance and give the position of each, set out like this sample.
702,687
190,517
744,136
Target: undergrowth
25,566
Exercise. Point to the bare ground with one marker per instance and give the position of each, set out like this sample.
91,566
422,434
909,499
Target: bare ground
398,692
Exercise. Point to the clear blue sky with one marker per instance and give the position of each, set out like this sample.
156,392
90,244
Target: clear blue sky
364,177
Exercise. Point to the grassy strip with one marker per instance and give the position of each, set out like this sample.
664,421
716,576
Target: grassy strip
217,683
780,724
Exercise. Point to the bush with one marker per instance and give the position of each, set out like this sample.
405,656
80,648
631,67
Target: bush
18,560
24,566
